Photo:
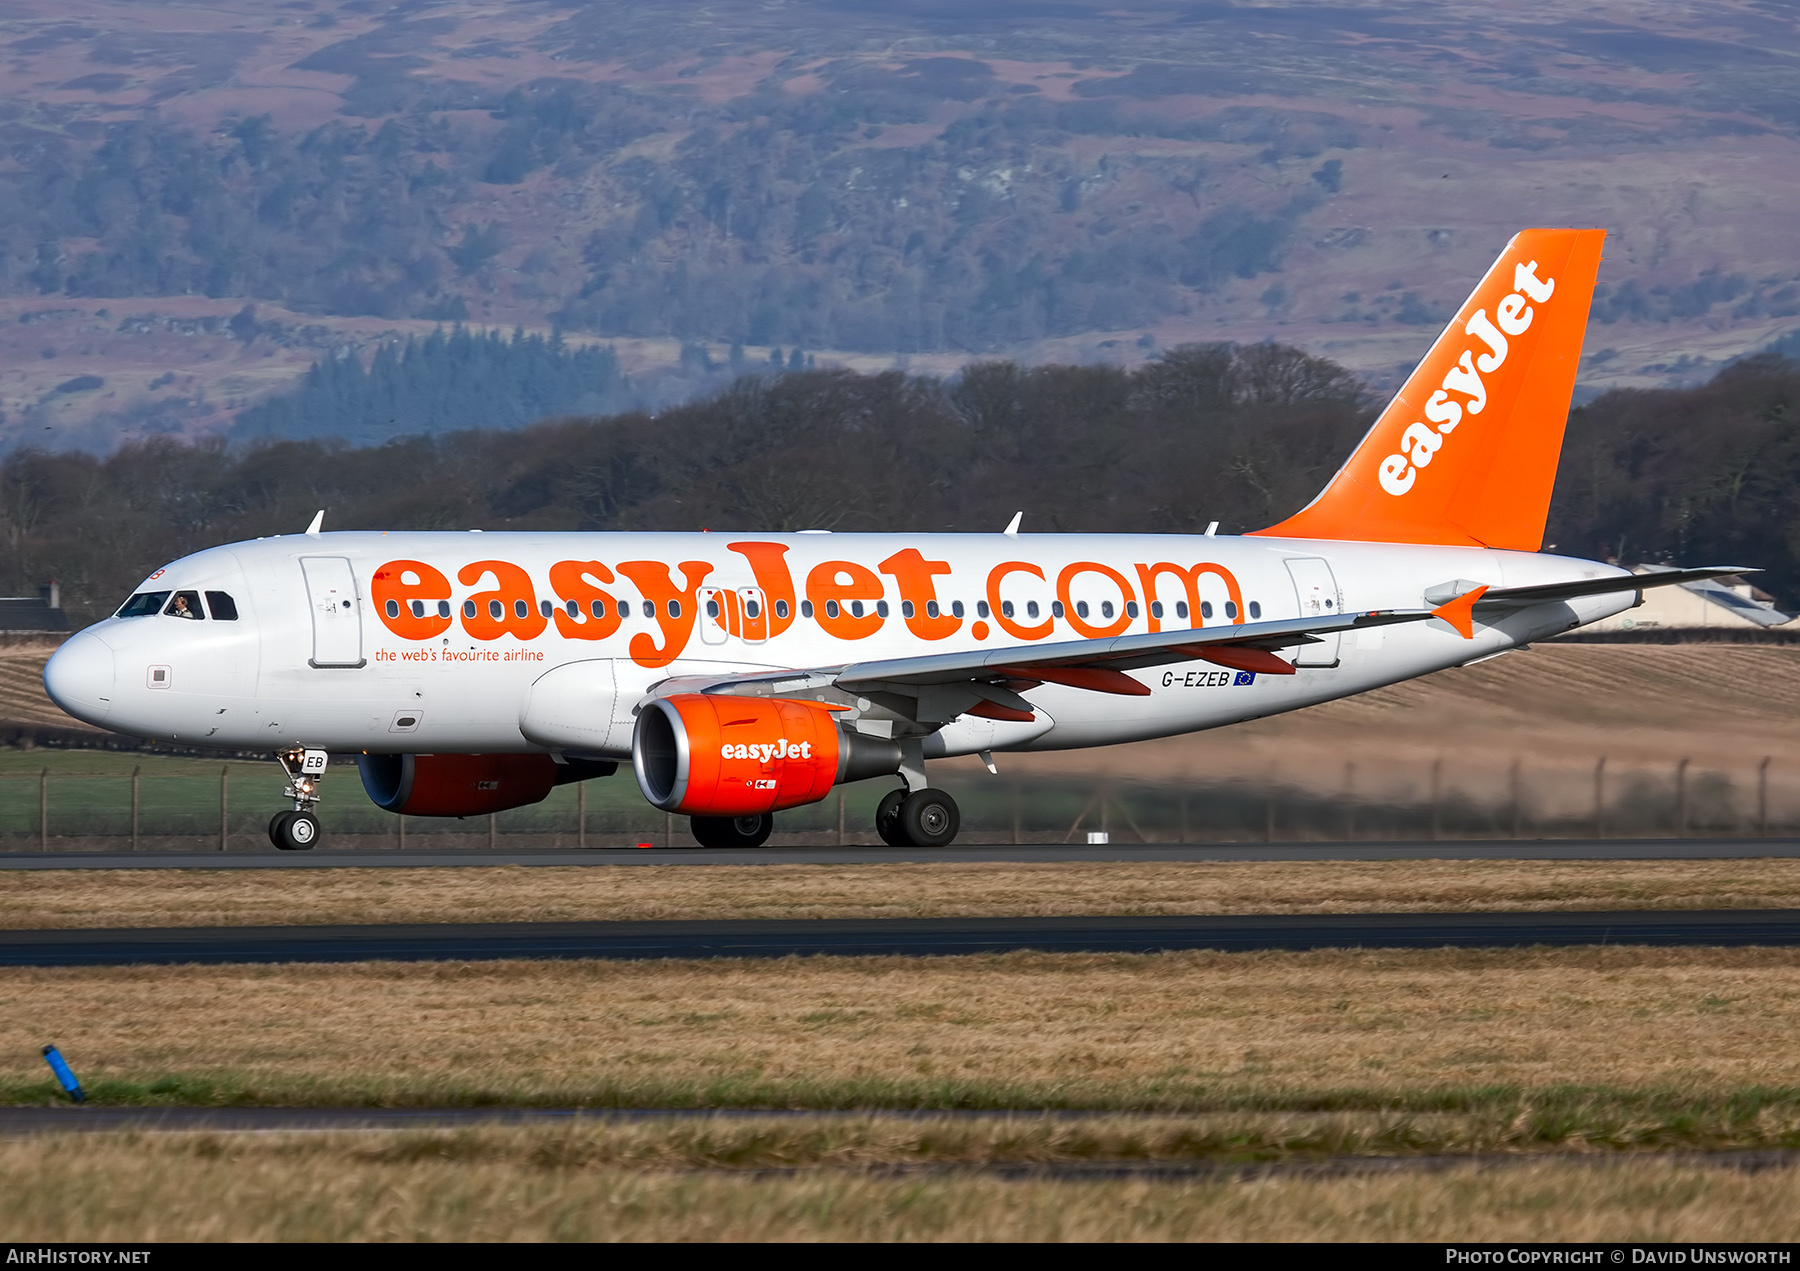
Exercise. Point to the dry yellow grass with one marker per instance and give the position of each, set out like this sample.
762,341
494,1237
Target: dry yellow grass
492,1187
1120,1031
160,898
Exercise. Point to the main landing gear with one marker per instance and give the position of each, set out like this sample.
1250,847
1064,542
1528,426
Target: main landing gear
732,831
923,818
298,830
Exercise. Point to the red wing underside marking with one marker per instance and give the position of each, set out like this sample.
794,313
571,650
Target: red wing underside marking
1240,658
993,710
1097,679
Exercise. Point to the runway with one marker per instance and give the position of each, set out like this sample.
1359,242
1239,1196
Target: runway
906,937
1025,853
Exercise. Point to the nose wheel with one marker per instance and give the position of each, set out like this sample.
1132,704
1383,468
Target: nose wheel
294,831
924,818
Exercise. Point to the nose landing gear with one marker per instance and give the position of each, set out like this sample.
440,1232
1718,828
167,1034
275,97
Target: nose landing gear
298,830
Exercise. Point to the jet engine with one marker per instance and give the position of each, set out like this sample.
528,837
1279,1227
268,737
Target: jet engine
468,785
722,756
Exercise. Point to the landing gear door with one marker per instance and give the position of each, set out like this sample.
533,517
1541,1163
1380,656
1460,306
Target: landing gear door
336,611
1318,595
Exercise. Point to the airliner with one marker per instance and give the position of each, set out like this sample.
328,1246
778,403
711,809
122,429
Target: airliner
742,674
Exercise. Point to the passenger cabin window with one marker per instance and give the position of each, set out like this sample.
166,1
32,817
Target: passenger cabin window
981,609
468,608
1231,609
143,604
624,610
185,605
649,608
806,608
752,609
781,608
393,608
1156,608
906,609
222,607
1056,609
1006,608
956,609
931,609
1255,609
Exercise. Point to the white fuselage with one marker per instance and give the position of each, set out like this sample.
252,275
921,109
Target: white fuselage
315,657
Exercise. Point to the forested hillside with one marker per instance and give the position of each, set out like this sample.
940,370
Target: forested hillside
777,220
446,382
1239,434
901,184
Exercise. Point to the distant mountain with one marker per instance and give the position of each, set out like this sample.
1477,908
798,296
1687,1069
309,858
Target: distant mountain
1074,180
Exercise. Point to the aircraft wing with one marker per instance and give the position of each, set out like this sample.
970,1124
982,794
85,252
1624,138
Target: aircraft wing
988,682
1118,653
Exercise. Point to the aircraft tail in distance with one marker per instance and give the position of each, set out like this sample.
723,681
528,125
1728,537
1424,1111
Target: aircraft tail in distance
1466,453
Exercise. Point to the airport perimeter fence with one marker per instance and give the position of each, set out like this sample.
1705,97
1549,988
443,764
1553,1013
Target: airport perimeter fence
230,811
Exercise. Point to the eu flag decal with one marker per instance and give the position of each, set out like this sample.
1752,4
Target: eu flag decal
1244,677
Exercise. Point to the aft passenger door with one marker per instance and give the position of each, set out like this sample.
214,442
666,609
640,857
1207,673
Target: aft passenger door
1317,591
336,611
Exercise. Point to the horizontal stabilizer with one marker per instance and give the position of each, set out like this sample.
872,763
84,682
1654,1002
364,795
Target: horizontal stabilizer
1521,597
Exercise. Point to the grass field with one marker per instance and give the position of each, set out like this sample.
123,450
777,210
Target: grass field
1586,1067
1413,1031
570,1184
160,898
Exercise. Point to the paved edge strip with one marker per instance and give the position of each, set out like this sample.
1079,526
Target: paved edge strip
987,854
904,937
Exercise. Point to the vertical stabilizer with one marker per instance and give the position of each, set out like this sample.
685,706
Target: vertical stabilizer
1466,453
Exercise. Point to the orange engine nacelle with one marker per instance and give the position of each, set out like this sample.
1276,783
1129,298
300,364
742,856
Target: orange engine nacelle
741,756
467,785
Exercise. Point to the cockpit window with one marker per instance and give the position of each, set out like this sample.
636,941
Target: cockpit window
143,604
185,605
222,606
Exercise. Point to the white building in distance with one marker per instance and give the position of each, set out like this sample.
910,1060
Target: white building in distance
1727,603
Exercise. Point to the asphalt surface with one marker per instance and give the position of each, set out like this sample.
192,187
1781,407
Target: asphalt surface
1463,850
909,937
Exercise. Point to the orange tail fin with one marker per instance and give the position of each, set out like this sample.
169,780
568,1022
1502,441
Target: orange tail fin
1466,453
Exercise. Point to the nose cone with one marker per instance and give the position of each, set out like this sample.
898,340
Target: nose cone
79,677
